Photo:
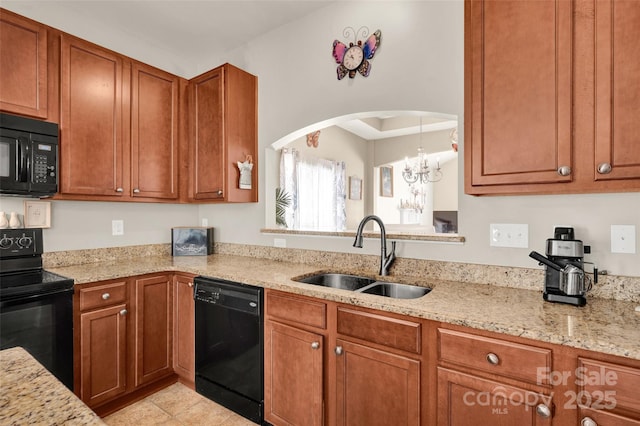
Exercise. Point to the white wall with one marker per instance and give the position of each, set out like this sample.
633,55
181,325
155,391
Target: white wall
419,66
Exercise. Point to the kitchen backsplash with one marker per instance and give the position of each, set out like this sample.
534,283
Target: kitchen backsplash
608,287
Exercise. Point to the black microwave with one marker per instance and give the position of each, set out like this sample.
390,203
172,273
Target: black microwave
28,157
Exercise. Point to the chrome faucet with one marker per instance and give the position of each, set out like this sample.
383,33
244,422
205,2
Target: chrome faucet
385,260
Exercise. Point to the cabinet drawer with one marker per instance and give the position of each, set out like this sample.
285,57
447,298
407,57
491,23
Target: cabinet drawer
103,295
296,309
610,385
387,331
514,360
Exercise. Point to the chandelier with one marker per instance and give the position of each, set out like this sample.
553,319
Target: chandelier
420,170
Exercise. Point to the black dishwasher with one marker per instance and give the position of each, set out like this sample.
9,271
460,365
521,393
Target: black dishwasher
229,345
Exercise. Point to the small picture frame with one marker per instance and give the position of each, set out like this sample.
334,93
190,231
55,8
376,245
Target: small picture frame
355,188
386,181
37,214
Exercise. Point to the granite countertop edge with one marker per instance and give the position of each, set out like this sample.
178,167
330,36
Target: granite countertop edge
606,326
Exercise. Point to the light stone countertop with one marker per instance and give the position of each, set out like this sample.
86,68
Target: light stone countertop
608,326
31,395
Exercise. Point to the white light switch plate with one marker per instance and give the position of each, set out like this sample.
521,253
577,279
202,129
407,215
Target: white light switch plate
509,235
623,239
117,227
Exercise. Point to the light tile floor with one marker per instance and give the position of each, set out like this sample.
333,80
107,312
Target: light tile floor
176,405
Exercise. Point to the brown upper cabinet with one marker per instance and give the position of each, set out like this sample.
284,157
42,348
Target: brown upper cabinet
94,101
223,132
23,68
129,131
119,126
551,90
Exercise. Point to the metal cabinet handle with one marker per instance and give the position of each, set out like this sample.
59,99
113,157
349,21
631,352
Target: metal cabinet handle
106,296
543,411
338,350
588,421
604,168
564,171
315,345
493,359
119,190
123,312
136,191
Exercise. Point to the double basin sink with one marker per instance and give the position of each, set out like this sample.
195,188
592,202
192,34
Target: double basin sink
365,285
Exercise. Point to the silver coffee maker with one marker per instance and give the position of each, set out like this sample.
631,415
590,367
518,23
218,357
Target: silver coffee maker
565,280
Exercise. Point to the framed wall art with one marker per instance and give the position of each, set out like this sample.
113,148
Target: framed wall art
37,214
386,181
355,188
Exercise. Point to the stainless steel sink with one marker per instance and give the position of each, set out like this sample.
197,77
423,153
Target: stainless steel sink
335,280
366,285
395,290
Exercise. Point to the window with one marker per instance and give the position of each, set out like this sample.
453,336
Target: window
308,180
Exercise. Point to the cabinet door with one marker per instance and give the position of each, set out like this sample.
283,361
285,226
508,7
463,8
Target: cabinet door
207,147
293,376
617,90
376,387
518,106
154,133
184,328
23,68
462,397
103,354
91,120
153,338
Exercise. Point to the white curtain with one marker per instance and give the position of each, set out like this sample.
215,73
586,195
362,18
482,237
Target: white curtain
317,190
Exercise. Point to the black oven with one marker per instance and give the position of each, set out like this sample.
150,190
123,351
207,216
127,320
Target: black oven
28,157
229,345
36,306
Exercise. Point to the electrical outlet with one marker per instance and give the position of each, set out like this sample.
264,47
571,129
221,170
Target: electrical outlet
623,239
117,227
509,235
204,221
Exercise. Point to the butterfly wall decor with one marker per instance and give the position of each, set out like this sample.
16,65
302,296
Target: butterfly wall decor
313,139
355,57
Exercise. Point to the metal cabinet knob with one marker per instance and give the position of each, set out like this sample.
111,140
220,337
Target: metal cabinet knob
190,284
119,190
106,296
588,421
220,192
123,312
136,191
604,168
564,171
543,411
493,359
338,350
315,345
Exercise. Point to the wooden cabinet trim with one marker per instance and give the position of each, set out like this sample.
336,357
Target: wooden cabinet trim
610,384
92,297
384,330
514,360
298,309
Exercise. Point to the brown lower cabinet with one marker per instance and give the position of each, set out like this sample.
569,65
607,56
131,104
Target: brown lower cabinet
327,363
123,339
